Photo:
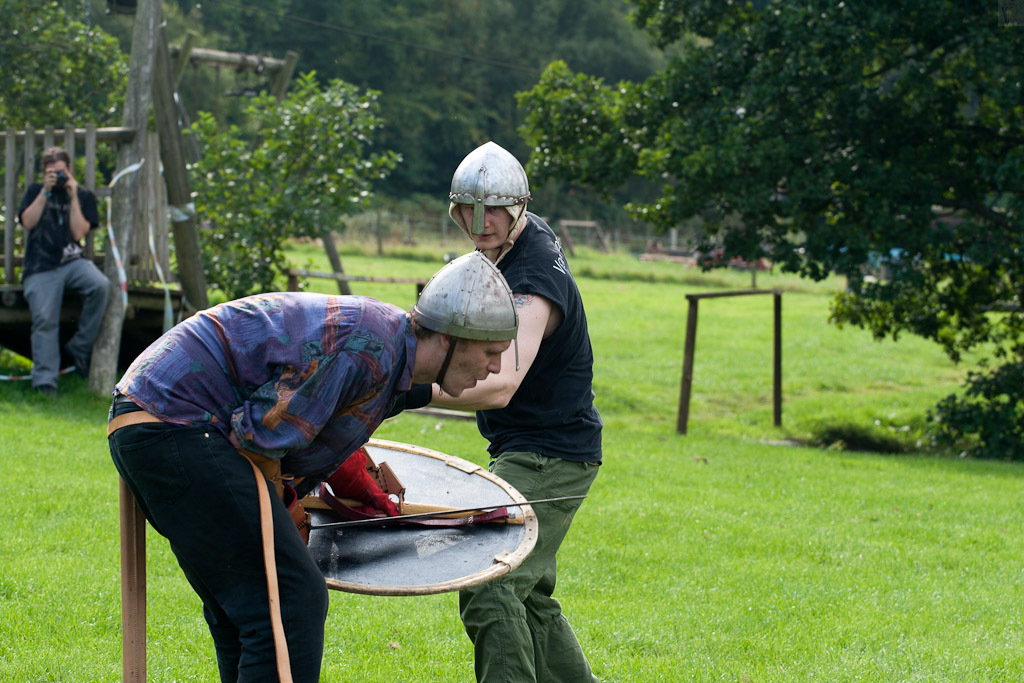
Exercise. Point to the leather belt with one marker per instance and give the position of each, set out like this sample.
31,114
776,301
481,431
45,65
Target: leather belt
128,419
136,417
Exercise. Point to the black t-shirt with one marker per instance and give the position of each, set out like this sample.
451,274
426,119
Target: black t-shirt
49,243
553,411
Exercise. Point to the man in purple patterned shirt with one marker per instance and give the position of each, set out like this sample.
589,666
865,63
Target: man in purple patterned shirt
303,379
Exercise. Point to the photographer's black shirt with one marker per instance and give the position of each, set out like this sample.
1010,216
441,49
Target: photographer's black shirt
50,243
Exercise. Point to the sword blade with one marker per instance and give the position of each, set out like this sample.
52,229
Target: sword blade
438,514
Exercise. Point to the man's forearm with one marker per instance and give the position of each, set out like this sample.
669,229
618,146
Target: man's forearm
34,211
488,394
77,221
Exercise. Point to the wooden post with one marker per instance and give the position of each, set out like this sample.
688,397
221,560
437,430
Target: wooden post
687,383
30,154
380,237
124,199
688,354
284,75
216,96
69,143
10,202
182,57
90,180
133,587
566,239
777,363
105,352
335,259
280,84
605,247
183,224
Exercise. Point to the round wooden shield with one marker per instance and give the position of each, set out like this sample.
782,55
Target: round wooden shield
407,560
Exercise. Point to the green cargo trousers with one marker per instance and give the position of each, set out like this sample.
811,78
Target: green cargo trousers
518,630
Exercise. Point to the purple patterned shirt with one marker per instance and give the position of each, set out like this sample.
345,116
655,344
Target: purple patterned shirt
306,378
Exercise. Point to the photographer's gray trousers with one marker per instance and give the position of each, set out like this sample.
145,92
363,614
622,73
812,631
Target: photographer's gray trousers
44,293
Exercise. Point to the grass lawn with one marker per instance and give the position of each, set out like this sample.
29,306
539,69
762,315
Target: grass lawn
738,552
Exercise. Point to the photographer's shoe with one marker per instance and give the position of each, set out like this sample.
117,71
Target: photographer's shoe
81,363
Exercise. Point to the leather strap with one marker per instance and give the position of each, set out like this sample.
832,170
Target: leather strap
128,419
284,667
270,468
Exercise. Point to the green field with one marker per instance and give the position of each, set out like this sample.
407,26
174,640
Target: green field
838,547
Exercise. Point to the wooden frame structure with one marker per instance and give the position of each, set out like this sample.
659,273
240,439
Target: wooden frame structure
689,349
21,152
567,243
69,137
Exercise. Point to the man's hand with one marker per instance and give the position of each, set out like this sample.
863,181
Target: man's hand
71,185
351,480
49,180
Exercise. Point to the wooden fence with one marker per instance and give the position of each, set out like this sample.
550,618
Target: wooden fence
393,230
20,168
683,415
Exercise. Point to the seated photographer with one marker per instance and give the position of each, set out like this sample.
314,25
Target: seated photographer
57,214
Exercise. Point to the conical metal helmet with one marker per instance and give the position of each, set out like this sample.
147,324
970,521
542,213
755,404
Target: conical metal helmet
470,299
489,176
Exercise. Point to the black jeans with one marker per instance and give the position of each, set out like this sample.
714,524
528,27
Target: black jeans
200,493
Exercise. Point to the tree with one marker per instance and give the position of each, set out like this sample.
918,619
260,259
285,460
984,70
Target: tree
830,136
447,70
311,165
57,69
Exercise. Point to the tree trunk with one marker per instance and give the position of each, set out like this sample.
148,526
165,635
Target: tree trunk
125,211
179,196
335,259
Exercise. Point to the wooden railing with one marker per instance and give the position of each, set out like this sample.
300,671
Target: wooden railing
20,169
294,274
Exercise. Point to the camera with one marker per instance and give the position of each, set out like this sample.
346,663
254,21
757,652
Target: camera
62,179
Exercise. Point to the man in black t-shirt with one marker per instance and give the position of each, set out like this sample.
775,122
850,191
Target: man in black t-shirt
538,415
57,214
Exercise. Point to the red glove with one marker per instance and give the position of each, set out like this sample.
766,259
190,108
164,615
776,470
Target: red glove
351,480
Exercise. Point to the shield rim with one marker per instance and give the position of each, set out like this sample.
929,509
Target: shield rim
503,563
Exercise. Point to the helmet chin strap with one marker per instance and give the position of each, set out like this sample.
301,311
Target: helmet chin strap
444,366
517,226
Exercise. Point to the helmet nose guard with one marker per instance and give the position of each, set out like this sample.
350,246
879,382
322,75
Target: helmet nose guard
489,176
468,299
